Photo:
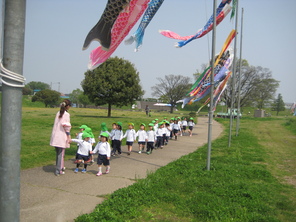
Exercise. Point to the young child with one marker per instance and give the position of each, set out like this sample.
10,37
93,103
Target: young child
168,131
130,135
176,128
151,138
81,129
142,136
190,125
104,152
112,133
79,136
104,129
184,125
171,127
180,125
92,141
117,137
159,135
83,151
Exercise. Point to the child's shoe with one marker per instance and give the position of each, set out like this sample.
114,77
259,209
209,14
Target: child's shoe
99,174
107,171
140,151
83,171
76,170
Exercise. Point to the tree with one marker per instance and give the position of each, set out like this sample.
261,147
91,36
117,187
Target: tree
171,89
37,85
278,104
115,82
48,97
74,96
257,86
84,100
27,91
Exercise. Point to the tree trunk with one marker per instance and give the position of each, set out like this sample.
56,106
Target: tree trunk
172,109
109,110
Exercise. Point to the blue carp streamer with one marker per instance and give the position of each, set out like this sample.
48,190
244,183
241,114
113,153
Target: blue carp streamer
137,37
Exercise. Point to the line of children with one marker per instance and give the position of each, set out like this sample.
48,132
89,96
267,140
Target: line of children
158,134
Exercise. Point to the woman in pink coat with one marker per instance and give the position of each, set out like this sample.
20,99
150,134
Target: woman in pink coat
60,135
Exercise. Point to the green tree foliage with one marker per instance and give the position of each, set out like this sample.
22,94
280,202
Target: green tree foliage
171,89
37,85
49,97
278,104
27,91
84,100
74,96
115,82
257,86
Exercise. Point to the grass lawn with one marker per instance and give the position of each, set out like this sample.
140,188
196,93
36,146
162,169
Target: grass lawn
253,180
37,125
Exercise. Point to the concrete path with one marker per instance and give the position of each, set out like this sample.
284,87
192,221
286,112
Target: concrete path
46,197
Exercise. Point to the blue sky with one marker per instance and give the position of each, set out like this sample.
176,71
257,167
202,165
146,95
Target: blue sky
56,29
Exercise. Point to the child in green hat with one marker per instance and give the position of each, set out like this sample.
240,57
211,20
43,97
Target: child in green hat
83,151
151,138
142,136
116,136
130,136
104,129
190,125
104,152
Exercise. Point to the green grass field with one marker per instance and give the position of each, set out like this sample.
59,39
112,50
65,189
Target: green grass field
37,124
253,180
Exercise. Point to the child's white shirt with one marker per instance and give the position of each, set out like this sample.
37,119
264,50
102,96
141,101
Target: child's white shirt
168,131
130,135
151,136
79,136
112,134
191,123
160,131
118,135
184,123
84,147
176,126
142,135
103,148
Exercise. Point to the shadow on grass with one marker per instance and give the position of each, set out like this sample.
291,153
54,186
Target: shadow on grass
104,117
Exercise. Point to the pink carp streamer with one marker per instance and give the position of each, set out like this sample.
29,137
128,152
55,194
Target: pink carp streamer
124,23
222,11
102,30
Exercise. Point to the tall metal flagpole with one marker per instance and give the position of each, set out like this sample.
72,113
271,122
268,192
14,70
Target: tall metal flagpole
210,125
233,78
239,74
11,118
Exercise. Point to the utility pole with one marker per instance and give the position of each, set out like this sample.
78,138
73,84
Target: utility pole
239,74
210,125
233,77
11,109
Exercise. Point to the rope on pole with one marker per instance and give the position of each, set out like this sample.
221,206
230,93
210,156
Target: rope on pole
11,75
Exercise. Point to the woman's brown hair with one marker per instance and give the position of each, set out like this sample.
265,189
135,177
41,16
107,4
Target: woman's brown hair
64,104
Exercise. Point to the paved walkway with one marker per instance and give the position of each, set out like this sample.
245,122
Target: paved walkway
45,197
